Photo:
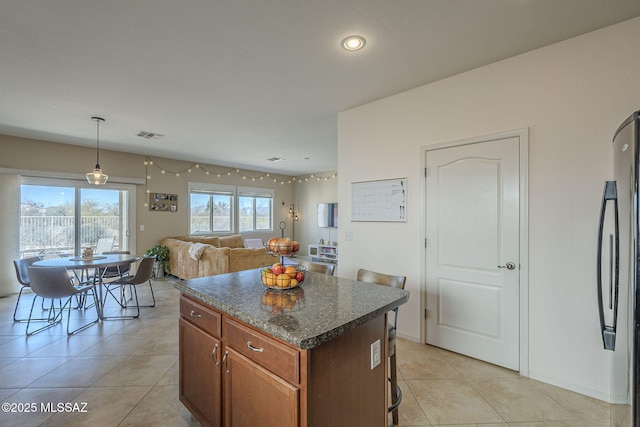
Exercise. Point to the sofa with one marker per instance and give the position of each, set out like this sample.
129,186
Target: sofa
196,256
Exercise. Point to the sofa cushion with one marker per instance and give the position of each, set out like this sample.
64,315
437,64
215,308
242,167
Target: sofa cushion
187,267
214,261
207,240
233,241
245,259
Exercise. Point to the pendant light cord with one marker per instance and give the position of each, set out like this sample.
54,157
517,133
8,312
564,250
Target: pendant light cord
98,144
98,120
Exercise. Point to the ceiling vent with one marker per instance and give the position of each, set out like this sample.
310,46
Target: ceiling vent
276,159
149,135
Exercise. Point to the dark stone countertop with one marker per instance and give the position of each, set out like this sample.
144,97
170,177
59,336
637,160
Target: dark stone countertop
325,306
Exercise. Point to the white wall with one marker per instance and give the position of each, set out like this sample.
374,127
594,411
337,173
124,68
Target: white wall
571,96
307,196
10,231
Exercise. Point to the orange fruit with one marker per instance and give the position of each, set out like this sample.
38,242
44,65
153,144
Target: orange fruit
283,280
269,279
291,271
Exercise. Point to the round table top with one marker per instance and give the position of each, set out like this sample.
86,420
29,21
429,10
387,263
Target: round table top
97,261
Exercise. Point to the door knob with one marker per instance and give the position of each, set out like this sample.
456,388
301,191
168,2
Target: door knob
508,266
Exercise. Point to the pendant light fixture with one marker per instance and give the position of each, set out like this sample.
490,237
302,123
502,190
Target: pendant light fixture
96,177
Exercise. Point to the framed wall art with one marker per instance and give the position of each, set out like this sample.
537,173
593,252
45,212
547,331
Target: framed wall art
163,202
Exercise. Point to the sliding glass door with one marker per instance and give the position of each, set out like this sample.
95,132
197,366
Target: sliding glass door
59,218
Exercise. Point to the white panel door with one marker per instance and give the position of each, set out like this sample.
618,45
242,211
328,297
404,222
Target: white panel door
472,265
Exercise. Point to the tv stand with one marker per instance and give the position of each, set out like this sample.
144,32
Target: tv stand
323,253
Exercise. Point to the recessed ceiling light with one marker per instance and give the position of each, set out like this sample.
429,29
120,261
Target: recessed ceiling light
275,159
353,42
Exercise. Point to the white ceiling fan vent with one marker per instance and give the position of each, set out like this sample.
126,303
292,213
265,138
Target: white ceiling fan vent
149,135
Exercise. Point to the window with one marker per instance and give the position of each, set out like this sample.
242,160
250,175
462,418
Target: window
217,208
60,217
255,209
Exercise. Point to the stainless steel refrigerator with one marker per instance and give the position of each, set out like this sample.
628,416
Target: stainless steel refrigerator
618,273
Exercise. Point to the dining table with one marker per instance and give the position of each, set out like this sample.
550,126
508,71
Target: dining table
98,263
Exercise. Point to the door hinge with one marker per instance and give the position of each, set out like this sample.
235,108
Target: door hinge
426,172
426,314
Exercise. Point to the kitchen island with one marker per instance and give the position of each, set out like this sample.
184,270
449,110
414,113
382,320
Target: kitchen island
301,357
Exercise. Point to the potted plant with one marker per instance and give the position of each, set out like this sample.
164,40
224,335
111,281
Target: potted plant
162,260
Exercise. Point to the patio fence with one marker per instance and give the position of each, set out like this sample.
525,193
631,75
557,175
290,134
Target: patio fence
56,234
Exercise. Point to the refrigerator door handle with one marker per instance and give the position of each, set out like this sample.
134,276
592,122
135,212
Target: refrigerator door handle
609,331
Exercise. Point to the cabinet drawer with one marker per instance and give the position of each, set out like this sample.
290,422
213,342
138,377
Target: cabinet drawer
278,358
201,316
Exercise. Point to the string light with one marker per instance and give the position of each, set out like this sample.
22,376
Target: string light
229,171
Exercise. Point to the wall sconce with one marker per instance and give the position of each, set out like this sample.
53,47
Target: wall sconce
293,213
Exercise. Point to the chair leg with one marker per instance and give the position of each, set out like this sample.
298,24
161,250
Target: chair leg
395,389
134,295
93,290
153,297
15,319
54,318
15,311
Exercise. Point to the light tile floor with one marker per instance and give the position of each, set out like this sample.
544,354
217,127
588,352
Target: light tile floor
126,371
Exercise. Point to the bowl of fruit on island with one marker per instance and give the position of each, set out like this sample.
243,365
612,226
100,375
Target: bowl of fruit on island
278,276
282,246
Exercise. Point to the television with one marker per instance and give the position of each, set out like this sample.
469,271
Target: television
328,215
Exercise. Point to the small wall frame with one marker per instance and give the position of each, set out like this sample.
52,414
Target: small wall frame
163,202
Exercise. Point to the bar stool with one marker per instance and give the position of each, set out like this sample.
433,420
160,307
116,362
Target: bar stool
317,267
394,282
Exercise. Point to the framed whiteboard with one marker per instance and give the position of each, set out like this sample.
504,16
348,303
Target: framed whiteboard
384,200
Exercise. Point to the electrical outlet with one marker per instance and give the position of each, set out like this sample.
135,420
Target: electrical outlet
375,354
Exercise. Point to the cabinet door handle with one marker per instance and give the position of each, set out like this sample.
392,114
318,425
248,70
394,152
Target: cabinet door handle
256,349
225,366
214,355
195,314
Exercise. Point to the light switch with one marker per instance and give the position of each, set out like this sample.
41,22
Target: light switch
141,227
375,354
348,236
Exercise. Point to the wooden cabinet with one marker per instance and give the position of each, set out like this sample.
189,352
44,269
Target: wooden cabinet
256,396
235,375
200,367
250,375
260,378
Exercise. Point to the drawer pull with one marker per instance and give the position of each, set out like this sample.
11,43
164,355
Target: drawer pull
195,314
214,355
256,349
225,365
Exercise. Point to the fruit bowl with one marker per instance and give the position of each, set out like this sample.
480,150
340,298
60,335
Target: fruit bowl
282,246
279,302
280,277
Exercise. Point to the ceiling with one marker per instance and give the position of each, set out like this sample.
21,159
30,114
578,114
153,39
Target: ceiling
234,83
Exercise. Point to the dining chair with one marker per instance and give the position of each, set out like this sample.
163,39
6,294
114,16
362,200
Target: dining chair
54,283
394,282
22,273
104,244
118,270
317,267
143,274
